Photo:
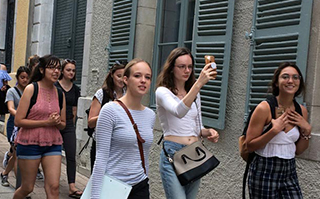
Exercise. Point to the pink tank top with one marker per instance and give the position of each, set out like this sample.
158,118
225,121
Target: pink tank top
47,103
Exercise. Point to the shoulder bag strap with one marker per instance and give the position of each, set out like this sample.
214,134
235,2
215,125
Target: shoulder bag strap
17,91
105,98
60,97
297,107
139,138
33,99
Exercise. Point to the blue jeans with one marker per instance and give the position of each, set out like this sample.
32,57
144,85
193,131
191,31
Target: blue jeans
170,182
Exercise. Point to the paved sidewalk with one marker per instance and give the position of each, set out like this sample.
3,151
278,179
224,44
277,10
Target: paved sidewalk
38,192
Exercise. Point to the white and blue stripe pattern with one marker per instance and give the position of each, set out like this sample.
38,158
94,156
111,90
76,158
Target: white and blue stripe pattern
117,147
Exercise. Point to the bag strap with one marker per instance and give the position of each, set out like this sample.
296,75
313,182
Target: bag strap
105,98
17,91
139,138
33,99
297,107
60,97
85,145
272,101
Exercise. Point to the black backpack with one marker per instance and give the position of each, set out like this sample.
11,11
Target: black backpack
89,130
105,99
35,95
273,103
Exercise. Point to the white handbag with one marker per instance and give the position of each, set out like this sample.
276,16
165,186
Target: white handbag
111,189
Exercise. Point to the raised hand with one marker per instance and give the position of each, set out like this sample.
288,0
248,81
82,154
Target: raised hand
207,73
298,120
280,123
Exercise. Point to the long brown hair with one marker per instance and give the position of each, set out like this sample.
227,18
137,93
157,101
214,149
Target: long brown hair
108,84
166,76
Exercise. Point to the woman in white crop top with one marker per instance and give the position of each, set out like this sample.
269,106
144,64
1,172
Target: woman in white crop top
272,172
178,107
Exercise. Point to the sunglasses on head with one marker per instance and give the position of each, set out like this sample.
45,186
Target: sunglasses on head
121,62
72,61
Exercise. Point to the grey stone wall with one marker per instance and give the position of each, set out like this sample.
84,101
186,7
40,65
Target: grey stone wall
41,19
3,24
95,60
226,180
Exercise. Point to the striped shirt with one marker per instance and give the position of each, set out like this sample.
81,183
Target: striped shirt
117,147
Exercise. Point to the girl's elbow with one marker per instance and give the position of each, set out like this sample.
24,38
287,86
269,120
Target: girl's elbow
299,151
17,123
61,126
180,114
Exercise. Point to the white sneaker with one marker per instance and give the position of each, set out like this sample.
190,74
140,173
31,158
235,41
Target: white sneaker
5,159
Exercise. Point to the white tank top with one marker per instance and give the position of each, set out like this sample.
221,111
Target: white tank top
282,145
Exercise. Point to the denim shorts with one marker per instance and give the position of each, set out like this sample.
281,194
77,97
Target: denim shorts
33,152
172,187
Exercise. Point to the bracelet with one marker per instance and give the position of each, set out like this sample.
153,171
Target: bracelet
306,137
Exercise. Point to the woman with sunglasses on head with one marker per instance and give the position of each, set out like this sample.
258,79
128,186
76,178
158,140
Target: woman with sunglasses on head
179,110
39,139
12,99
118,154
72,93
272,172
32,62
112,88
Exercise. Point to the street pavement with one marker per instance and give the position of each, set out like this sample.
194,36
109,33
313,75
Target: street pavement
38,192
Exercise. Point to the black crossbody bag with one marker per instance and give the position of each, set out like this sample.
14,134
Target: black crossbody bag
192,162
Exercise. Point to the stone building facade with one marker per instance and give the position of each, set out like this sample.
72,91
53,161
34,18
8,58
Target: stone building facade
226,180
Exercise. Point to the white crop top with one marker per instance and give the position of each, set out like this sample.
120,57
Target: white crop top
282,145
175,117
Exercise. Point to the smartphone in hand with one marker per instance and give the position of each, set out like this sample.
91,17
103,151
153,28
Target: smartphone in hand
210,59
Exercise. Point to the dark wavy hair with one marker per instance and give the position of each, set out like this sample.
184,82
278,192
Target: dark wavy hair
43,63
274,83
64,63
22,69
108,84
166,76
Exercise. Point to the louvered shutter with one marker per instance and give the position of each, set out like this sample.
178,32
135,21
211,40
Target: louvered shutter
62,28
212,36
78,37
280,33
68,31
122,30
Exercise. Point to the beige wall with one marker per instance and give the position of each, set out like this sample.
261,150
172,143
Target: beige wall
21,34
20,43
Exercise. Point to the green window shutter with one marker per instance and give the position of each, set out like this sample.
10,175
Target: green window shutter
280,33
122,30
212,36
78,37
68,31
62,28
